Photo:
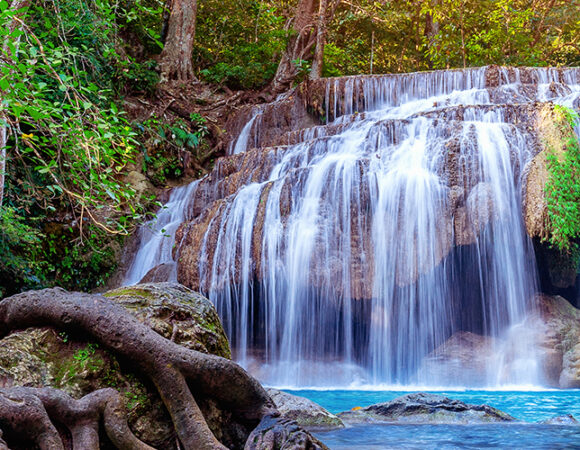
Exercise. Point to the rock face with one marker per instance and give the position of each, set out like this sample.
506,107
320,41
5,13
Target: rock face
425,408
40,357
364,209
552,335
305,412
553,132
300,118
558,337
463,358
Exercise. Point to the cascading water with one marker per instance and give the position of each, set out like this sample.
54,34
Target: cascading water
157,237
353,253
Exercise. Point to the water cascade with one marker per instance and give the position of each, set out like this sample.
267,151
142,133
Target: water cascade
347,245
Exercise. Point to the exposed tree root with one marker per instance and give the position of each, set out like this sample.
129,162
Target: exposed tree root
172,368
30,412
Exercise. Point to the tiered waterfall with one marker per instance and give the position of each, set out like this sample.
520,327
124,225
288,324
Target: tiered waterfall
359,222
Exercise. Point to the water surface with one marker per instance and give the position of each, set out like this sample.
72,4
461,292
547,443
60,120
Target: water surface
529,407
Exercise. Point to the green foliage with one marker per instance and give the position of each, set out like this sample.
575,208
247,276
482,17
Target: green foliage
142,20
563,187
82,355
69,145
18,242
83,265
239,43
411,35
167,145
134,77
63,123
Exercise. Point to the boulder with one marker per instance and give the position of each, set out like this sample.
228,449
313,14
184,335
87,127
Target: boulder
43,357
281,433
304,411
176,313
463,358
558,341
425,408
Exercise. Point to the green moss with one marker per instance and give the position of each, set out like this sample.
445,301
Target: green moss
130,291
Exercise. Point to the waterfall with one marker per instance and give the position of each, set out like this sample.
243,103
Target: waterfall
243,140
352,253
157,237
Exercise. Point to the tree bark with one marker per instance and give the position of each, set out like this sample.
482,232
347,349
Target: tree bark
299,45
30,411
317,62
175,62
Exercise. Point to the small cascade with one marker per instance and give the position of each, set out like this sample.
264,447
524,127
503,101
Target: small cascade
157,237
243,141
349,251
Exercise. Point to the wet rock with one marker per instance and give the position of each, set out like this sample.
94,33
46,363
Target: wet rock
41,357
281,433
479,210
570,375
463,358
425,408
566,419
558,341
159,273
304,117
304,411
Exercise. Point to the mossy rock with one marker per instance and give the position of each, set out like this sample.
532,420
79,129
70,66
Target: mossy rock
176,313
39,357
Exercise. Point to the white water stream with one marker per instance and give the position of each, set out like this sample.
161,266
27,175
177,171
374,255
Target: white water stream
358,276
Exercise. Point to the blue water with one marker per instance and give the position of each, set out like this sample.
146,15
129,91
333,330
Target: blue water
529,407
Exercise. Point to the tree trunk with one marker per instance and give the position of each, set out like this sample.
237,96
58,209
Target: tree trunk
431,30
299,45
316,71
176,56
15,6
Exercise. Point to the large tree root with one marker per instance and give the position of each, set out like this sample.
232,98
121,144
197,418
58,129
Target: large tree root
176,372
30,412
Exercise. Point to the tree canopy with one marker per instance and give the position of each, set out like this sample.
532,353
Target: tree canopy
71,68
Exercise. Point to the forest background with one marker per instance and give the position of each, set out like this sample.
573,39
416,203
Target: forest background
105,104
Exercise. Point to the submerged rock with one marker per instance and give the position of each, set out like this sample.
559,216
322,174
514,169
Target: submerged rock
566,419
425,408
304,411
